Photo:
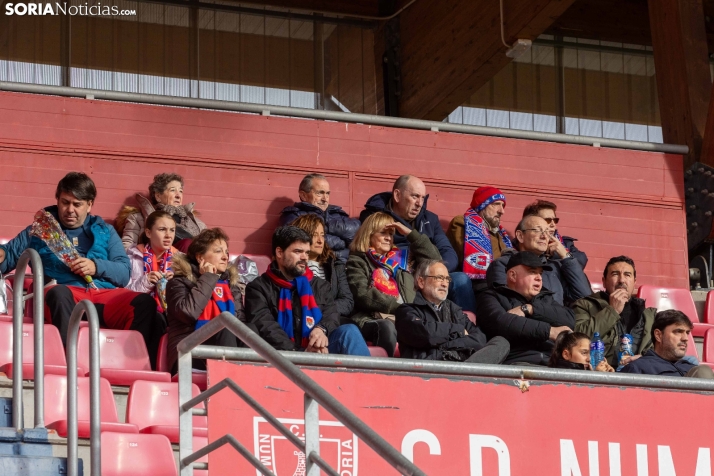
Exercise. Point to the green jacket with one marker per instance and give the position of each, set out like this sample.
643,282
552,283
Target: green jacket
368,299
594,314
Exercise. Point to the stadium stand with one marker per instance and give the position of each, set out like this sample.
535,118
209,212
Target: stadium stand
153,408
123,357
674,298
56,407
137,455
55,362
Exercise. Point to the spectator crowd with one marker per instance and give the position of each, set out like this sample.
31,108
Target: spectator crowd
392,278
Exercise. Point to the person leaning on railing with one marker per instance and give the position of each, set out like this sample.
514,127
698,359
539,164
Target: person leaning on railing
165,193
380,278
203,286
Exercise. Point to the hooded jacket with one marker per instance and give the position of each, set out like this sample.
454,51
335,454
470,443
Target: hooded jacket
426,223
523,333
567,280
594,314
369,299
652,364
188,294
423,335
106,252
261,305
340,229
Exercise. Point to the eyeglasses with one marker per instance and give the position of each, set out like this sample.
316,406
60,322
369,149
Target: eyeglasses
538,230
441,279
551,220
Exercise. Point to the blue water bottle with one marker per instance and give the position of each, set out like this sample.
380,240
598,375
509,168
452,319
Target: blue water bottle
597,351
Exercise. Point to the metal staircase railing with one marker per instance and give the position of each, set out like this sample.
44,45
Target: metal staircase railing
315,396
80,309
18,312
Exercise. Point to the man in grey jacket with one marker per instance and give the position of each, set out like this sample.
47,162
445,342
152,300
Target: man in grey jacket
566,279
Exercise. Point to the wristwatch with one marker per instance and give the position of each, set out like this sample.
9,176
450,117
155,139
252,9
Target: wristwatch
568,255
525,310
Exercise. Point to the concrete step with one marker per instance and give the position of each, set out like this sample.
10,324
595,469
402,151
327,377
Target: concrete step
35,466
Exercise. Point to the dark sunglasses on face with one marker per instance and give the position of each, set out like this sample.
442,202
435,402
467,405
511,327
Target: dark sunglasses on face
551,220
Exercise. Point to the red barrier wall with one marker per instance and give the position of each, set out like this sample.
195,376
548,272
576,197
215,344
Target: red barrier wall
465,426
242,169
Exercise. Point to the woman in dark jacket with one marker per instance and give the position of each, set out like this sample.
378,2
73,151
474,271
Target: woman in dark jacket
323,264
380,278
203,286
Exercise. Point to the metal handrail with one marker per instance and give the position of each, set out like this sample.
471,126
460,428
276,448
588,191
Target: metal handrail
83,307
350,117
18,313
463,369
312,391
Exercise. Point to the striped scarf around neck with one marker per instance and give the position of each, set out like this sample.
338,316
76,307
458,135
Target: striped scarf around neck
162,265
384,277
311,313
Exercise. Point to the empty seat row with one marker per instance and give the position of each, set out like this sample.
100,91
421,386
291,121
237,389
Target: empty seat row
126,454
152,408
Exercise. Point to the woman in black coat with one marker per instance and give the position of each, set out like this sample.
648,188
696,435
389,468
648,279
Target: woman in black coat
323,264
203,283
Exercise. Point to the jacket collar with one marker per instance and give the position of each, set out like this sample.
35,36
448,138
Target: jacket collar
510,293
566,364
310,208
382,202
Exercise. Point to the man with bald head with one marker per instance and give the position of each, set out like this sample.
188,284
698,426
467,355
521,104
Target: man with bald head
565,278
407,204
523,311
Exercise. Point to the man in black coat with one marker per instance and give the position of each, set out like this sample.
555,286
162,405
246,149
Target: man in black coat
340,229
299,325
523,311
407,204
564,275
670,335
434,328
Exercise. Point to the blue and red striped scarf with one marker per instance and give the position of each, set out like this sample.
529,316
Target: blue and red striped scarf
163,265
311,313
384,277
221,300
478,252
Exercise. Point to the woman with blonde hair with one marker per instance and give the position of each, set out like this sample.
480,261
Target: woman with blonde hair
323,263
380,275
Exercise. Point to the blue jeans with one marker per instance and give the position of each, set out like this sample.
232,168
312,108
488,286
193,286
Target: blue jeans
347,340
461,292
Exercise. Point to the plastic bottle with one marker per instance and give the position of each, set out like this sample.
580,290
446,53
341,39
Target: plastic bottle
625,350
597,350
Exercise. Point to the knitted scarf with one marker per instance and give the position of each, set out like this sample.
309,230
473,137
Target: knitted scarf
384,277
478,252
311,313
163,265
221,300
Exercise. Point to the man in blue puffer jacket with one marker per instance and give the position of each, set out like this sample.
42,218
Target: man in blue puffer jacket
314,195
102,257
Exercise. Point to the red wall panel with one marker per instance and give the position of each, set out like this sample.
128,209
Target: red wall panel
242,169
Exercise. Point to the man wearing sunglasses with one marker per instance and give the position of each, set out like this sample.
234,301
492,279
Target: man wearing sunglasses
434,328
565,278
559,245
